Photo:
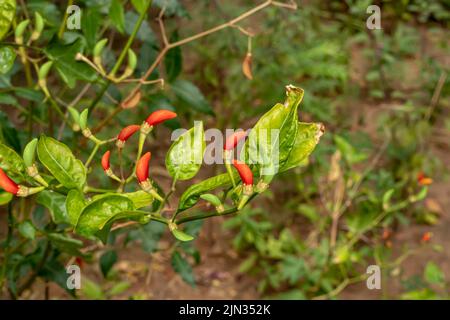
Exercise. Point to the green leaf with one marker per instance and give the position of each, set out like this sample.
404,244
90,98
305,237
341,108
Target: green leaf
173,61
433,274
92,290
271,140
420,195
211,198
185,156
117,15
119,288
183,268
68,68
91,20
54,271
55,203
140,198
99,212
27,230
7,13
7,57
182,236
190,197
60,161
75,204
308,135
11,162
5,198
107,261
191,96
139,5
66,244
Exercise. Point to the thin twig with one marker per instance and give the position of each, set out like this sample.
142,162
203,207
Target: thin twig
436,95
162,27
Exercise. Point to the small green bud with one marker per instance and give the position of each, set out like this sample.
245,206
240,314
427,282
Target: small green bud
99,47
75,114
83,119
38,26
29,152
44,69
213,199
76,118
132,59
20,29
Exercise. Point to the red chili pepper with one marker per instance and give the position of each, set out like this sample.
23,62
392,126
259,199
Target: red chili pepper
426,237
7,184
423,180
105,160
80,262
127,132
160,116
142,167
244,171
234,139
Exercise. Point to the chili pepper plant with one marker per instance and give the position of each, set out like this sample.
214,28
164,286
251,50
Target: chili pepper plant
58,209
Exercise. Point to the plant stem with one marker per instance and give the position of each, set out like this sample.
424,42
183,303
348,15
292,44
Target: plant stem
91,156
64,21
98,190
205,215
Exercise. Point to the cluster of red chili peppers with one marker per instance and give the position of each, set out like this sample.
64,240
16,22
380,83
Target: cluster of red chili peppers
142,165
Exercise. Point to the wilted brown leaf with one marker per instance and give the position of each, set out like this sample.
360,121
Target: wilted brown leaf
132,101
247,66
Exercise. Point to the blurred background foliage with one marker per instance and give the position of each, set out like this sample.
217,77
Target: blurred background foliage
374,186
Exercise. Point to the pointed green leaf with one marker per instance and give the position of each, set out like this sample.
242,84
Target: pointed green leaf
191,96
190,197
140,198
66,244
270,141
27,230
61,162
308,135
116,15
102,211
7,58
5,198
12,163
68,67
183,268
7,14
107,261
185,156
75,204
182,236
55,203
